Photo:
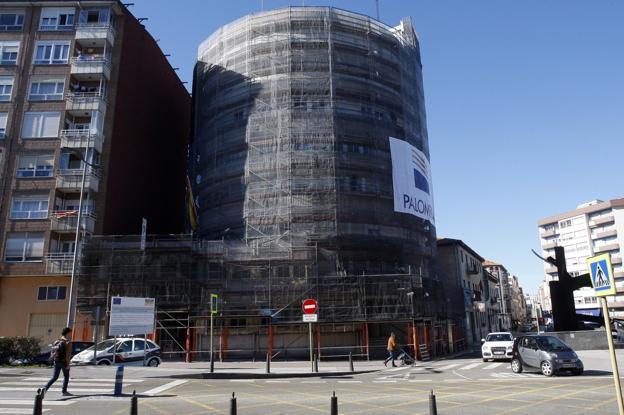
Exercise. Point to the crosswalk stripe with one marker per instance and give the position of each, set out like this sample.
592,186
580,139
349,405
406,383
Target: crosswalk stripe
39,384
313,381
277,381
492,366
385,381
349,381
34,389
110,380
18,411
394,369
470,366
29,402
168,386
447,367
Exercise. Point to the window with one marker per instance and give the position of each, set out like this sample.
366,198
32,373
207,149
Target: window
94,16
124,347
29,207
8,53
139,344
3,122
6,88
46,90
52,293
41,124
39,165
11,21
51,53
24,247
57,18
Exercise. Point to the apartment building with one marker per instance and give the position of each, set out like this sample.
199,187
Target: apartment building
80,82
593,228
462,267
501,273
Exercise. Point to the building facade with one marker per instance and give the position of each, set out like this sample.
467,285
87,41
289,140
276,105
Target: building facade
80,82
504,294
481,291
518,304
593,228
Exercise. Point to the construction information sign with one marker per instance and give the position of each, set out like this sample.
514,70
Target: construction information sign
411,180
601,275
131,316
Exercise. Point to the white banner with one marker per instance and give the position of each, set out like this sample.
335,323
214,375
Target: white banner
131,315
411,180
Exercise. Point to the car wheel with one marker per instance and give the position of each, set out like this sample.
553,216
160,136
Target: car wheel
153,362
103,363
547,369
577,372
516,366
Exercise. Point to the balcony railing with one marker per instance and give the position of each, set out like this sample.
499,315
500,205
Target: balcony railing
59,263
74,138
90,31
91,64
70,180
86,101
65,221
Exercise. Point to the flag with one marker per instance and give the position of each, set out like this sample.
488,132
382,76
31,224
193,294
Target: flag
191,205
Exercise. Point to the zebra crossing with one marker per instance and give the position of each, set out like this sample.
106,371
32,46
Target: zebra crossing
27,387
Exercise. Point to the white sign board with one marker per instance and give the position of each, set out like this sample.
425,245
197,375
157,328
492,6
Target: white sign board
131,316
411,180
310,318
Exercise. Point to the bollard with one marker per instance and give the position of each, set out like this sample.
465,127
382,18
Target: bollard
233,405
433,408
351,362
38,409
211,362
119,380
334,404
134,404
268,363
315,364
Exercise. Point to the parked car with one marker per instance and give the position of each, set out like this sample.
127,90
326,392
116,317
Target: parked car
131,351
546,353
497,346
44,358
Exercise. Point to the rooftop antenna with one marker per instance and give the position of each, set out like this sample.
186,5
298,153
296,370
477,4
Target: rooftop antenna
377,8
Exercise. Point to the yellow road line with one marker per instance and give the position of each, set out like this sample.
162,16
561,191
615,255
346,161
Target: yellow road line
199,404
556,398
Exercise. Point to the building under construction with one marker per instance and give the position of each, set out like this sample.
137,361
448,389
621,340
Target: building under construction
291,167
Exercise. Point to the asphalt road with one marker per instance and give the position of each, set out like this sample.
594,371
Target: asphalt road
462,386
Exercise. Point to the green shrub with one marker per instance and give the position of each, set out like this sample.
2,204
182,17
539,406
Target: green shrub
6,349
19,347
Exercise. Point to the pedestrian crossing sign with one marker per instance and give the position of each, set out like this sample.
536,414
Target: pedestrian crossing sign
601,275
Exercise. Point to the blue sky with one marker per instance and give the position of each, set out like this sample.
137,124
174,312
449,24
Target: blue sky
525,105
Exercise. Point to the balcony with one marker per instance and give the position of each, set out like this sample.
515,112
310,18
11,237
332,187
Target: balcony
549,245
605,234
615,260
70,180
551,270
81,102
548,233
601,221
65,221
606,248
91,65
81,139
59,263
95,32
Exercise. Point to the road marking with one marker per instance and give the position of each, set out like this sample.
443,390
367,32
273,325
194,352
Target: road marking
396,369
461,376
349,381
470,366
313,381
447,367
165,387
110,380
492,366
385,381
18,411
29,402
80,384
420,380
243,380
277,381
34,389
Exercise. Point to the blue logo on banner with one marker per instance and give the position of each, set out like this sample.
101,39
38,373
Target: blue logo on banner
421,181
117,300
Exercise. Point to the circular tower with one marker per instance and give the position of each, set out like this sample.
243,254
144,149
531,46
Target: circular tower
293,113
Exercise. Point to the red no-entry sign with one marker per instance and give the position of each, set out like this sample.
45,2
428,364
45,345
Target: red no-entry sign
310,306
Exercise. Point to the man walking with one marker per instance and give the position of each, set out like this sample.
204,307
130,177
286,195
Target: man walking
391,350
61,356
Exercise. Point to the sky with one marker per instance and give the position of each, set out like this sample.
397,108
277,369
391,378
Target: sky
524,100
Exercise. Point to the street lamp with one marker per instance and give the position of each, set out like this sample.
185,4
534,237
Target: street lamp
72,286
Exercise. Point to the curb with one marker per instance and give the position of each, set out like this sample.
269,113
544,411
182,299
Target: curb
248,375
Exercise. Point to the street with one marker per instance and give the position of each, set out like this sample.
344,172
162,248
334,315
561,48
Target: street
464,385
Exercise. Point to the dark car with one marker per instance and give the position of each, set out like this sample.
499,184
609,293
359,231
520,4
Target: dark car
546,353
44,358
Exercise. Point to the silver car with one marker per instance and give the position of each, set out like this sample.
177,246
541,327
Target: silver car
546,353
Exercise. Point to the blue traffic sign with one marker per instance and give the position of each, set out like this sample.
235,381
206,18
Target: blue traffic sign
601,275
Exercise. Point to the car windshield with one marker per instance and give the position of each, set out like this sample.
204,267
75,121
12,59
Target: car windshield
103,345
499,337
552,344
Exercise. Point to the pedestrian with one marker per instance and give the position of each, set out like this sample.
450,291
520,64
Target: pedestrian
61,356
391,350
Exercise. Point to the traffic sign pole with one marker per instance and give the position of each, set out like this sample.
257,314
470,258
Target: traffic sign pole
614,365
312,357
